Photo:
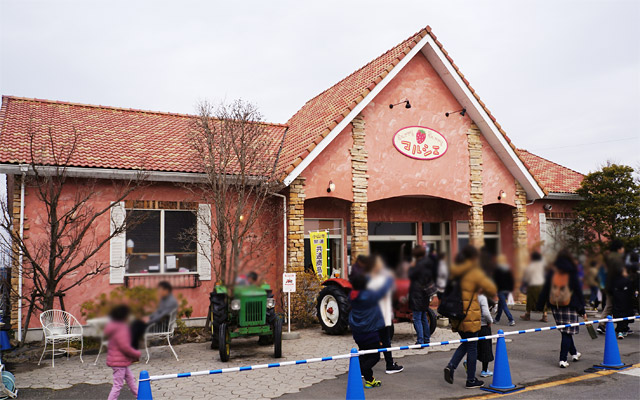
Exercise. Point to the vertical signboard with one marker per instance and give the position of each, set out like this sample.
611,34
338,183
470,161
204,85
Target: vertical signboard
319,253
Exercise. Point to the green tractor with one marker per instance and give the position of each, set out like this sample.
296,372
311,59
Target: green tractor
249,311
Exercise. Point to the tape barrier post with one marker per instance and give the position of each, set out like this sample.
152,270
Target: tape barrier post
502,373
355,387
611,352
144,386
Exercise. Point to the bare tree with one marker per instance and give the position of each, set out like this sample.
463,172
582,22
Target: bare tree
58,252
238,153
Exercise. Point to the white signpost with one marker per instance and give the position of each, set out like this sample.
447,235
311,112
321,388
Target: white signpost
288,286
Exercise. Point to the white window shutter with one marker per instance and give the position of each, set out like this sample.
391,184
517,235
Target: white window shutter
117,245
204,242
542,219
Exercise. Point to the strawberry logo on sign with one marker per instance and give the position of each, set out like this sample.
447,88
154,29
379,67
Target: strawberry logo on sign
420,142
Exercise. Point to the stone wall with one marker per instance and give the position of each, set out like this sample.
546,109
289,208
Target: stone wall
359,219
295,226
15,210
520,225
476,217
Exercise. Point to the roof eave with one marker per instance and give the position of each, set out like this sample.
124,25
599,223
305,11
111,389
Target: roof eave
463,95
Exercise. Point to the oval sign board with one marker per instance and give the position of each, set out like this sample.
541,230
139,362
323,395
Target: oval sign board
420,142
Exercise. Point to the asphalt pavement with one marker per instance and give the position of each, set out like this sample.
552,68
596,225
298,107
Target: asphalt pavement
533,360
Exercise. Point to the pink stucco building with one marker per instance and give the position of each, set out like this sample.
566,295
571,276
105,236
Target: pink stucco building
435,169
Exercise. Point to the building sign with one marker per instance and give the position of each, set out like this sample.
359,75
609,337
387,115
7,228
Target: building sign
420,142
319,253
289,282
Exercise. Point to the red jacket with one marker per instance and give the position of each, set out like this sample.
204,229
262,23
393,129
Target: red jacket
120,353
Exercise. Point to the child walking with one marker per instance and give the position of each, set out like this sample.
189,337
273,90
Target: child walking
366,321
485,347
120,353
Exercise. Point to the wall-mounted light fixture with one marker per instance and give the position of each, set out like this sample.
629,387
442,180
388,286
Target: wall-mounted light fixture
241,218
528,221
332,187
502,195
407,104
548,207
462,112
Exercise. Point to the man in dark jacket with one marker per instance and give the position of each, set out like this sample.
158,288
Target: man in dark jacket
421,279
614,262
366,320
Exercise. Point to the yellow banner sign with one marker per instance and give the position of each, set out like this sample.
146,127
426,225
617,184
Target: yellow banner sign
319,253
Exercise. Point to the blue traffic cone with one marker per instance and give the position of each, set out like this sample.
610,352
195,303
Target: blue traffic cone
144,386
611,352
355,387
502,373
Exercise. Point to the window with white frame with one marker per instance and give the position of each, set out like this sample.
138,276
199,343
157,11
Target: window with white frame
491,235
162,240
437,236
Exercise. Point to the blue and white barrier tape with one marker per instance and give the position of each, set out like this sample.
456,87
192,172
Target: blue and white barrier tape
475,339
399,348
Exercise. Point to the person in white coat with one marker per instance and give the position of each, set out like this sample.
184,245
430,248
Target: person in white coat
379,275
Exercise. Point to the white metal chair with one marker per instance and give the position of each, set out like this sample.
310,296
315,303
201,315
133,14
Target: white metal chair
160,330
60,327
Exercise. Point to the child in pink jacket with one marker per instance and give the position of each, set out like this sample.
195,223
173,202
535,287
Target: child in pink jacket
120,353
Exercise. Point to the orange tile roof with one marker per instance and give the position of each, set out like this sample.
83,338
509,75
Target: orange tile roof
159,139
554,177
109,137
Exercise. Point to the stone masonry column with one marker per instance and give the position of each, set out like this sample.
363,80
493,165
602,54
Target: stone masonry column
520,226
360,185
295,226
476,215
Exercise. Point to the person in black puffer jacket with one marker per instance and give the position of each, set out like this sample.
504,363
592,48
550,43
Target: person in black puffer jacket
421,279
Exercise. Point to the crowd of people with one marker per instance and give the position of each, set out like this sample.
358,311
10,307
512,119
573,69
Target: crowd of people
475,284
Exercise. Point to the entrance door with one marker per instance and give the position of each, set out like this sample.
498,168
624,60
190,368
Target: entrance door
392,252
393,241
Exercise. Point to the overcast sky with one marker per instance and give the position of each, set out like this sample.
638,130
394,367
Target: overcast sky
562,77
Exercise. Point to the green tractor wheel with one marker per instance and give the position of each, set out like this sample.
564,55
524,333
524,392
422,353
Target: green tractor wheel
224,342
277,338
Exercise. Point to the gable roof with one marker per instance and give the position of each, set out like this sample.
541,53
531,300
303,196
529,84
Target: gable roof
314,126
554,177
108,137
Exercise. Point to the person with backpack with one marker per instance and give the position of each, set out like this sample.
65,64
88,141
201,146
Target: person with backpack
366,321
460,304
562,292
419,293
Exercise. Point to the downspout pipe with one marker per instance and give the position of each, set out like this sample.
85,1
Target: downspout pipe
23,169
284,226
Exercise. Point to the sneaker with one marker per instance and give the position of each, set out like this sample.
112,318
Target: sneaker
486,374
525,317
394,369
600,330
512,323
576,357
372,383
563,364
624,334
620,335
474,384
448,375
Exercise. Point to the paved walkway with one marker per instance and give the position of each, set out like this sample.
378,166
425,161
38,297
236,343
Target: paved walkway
268,383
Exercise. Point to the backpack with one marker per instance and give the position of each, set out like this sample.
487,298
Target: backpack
560,293
452,305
